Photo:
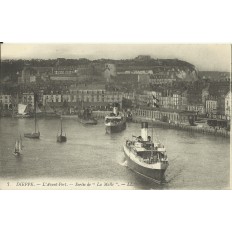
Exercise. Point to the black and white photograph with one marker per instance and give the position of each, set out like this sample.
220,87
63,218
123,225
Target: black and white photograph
115,116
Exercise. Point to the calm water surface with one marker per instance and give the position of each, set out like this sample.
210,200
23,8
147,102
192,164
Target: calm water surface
196,161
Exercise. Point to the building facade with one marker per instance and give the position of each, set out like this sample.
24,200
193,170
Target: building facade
5,101
211,106
197,108
228,105
28,99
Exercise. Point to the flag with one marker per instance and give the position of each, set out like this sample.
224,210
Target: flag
155,98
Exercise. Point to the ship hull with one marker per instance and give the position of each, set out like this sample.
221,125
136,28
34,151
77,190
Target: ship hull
22,116
116,128
16,153
61,139
156,175
88,122
32,135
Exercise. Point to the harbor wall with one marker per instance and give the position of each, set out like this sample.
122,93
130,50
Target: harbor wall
180,126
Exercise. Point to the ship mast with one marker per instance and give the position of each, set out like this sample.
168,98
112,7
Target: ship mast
61,130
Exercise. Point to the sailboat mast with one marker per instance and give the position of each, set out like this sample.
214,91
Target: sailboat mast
16,145
21,142
20,147
61,125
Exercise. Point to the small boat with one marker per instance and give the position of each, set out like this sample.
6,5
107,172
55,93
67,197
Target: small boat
23,112
88,121
145,157
86,117
36,134
115,122
18,147
61,138
32,135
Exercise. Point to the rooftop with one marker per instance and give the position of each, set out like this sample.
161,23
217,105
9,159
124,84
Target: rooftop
88,87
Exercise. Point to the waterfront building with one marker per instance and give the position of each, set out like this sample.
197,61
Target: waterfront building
52,97
5,101
92,94
228,103
66,97
165,115
199,108
174,101
28,99
211,106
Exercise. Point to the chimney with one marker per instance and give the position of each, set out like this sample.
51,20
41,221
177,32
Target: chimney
144,129
115,110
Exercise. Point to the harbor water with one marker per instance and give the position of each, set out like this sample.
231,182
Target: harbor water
196,161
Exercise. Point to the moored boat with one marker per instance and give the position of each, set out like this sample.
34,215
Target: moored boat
145,157
32,135
35,134
18,147
61,137
86,117
115,122
22,111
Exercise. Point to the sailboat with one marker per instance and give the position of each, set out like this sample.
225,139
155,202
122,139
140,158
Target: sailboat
49,112
61,138
22,111
36,134
18,147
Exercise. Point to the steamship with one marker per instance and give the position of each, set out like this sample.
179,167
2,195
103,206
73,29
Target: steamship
115,122
145,157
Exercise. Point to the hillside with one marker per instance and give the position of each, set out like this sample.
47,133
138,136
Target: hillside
11,69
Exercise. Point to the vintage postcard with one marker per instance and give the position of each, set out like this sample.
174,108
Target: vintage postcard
115,116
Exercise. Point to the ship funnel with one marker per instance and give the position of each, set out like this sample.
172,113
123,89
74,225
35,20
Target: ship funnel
115,110
144,129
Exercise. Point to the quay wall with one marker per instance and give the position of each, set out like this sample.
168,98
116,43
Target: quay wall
174,123
181,126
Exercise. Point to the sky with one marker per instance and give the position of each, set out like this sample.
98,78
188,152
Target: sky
206,57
